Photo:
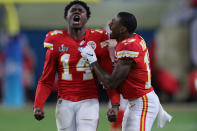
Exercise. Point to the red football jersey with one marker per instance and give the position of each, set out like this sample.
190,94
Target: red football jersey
75,78
138,82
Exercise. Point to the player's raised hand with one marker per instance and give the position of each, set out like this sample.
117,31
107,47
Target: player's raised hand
112,113
88,53
38,113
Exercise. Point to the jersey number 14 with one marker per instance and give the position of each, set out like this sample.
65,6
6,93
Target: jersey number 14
81,66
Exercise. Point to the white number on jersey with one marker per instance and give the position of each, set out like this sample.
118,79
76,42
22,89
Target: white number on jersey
81,66
195,83
65,61
146,61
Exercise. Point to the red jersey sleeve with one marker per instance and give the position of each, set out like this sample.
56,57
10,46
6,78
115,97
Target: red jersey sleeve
45,84
129,50
105,37
114,95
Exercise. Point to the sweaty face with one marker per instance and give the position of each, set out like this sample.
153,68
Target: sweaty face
77,16
114,26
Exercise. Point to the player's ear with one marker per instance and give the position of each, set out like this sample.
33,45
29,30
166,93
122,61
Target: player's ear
123,29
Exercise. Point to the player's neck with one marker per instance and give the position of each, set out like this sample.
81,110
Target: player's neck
77,33
123,37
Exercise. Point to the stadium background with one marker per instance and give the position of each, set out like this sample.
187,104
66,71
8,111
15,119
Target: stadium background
158,22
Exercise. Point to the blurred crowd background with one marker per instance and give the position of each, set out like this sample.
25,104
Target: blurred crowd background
168,26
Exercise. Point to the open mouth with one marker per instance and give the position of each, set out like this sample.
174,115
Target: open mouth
76,19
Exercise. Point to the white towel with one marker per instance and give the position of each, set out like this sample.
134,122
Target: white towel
163,116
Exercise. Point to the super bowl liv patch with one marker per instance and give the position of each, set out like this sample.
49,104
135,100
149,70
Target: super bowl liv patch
63,48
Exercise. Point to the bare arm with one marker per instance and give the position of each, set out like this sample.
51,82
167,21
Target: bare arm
119,74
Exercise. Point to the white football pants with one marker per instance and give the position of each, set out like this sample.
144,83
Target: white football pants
77,116
141,113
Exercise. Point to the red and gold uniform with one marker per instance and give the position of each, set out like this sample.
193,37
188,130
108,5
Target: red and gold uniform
75,78
143,103
138,83
77,106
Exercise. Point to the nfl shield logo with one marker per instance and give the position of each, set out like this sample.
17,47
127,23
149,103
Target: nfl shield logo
92,44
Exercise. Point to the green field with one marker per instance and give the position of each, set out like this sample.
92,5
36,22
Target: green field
184,119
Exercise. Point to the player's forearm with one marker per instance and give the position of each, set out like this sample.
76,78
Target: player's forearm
42,93
103,76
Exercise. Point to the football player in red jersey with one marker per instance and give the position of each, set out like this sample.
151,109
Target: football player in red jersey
77,108
131,75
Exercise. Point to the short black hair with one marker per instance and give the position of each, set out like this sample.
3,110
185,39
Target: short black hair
128,20
79,3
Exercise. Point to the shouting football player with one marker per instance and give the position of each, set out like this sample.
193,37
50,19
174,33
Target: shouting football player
77,107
